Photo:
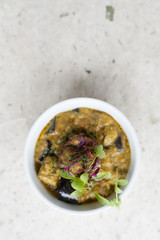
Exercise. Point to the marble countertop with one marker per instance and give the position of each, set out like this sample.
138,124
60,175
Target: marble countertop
53,50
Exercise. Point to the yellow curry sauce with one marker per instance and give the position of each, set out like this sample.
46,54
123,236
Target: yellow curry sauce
57,144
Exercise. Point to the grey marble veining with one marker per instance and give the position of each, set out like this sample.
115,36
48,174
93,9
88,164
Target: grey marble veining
53,50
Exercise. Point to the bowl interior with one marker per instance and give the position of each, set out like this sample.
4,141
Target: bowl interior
45,118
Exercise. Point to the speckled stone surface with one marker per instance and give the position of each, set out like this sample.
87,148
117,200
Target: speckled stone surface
53,50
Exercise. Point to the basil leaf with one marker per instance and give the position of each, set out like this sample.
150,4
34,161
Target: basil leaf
122,182
76,194
99,151
84,178
78,184
66,175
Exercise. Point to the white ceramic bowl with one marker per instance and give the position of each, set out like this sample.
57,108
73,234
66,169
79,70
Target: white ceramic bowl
36,130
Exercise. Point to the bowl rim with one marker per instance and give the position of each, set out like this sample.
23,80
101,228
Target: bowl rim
69,102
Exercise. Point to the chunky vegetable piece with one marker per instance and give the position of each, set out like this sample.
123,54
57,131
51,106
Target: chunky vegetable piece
83,155
49,174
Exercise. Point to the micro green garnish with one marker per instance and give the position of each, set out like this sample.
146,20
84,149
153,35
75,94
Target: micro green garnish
87,148
82,183
76,194
79,185
122,182
84,178
106,202
116,201
66,175
102,200
116,189
106,175
119,182
99,151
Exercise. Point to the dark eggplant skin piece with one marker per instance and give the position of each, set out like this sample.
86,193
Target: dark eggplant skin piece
76,110
119,144
52,127
46,151
64,189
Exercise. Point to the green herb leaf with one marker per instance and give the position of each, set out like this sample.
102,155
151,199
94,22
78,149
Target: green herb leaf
99,151
76,194
84,178
115,202
122,182
102,200
78,184
108,175
118,190
102,175
66,175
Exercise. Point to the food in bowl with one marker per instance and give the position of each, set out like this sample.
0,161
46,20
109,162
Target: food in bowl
83,155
